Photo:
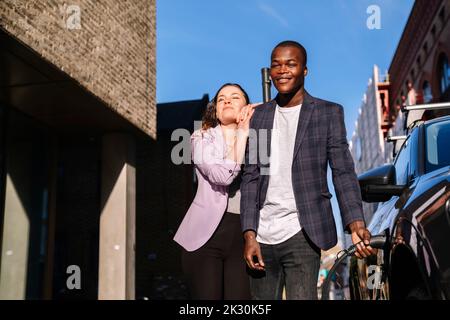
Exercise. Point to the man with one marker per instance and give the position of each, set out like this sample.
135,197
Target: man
286,215
411,95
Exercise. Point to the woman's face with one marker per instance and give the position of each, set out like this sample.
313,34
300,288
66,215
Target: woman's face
230,101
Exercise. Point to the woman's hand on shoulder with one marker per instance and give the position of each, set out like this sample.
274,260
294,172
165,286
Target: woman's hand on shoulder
245,116
254,105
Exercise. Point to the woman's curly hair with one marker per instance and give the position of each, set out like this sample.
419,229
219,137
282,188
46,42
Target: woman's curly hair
210,117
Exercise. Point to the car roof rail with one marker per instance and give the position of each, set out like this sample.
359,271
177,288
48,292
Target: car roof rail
398,142
395,138
415,113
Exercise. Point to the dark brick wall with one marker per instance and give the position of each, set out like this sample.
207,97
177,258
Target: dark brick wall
112,54
77,215
164,193
417,54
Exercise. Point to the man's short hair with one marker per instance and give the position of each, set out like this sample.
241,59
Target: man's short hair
291,43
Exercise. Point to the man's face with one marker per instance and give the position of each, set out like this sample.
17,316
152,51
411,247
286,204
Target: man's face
287,69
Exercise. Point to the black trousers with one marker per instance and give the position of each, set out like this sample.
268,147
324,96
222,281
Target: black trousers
217,270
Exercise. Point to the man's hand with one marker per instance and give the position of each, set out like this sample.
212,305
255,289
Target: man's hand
252,250
361,238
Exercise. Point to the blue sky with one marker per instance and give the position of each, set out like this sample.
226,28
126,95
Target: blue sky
202,44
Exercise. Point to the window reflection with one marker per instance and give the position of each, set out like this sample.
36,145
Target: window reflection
427,95
444,73
438,152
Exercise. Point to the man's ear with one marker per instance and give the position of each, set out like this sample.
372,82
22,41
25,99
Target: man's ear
305,72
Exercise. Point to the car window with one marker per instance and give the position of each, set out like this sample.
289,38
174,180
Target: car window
402,163
378,221
414,154
437,145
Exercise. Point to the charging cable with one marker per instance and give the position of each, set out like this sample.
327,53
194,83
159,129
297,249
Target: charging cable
376,242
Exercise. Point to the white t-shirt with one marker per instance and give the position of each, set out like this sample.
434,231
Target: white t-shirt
278,219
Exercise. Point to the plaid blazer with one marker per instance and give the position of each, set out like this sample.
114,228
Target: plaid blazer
321,139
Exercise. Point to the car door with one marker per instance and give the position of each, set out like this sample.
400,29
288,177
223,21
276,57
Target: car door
433,217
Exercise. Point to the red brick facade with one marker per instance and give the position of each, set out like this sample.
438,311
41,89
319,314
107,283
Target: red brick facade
425,38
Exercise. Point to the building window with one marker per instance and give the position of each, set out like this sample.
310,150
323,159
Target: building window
402,163
444,73
442,15
425,48
358,149
433,32
427,95
419,61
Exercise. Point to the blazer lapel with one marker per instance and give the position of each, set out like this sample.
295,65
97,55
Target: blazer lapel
303,120
268,122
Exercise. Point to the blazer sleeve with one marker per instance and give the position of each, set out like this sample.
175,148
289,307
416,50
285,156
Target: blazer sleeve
343,169
209,160
249,184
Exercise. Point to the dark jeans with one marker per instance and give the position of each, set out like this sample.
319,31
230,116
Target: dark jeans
293,263
217,270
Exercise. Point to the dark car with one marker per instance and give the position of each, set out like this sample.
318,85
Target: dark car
414,214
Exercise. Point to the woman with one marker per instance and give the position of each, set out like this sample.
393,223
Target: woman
210,233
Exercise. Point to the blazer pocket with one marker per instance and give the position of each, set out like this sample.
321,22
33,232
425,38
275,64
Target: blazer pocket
326,195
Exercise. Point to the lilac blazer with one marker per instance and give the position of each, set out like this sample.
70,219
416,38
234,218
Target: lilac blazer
214,175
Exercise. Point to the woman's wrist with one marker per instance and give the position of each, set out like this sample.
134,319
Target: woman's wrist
242,133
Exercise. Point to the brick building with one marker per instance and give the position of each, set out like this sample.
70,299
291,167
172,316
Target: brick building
419,73
77,112
421,59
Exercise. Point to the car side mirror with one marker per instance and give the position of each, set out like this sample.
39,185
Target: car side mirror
379,184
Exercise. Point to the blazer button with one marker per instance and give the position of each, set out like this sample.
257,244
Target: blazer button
231,171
